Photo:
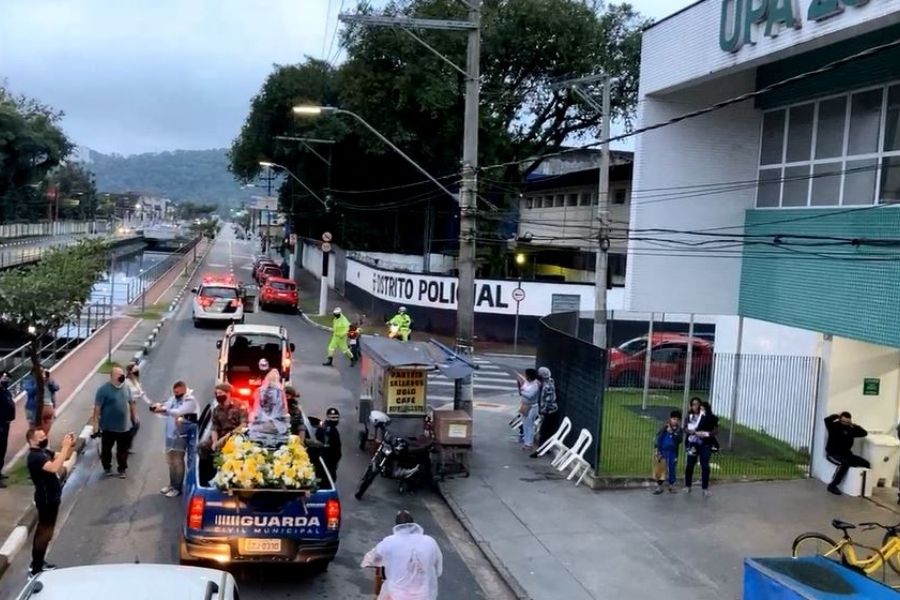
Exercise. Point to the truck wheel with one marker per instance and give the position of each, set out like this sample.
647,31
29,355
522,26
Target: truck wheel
197,323
364,483
319,567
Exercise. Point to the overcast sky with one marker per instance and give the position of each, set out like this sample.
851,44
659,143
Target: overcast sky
137,76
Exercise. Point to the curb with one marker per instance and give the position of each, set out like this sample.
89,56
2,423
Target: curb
27,522
150,343
484,546
313,323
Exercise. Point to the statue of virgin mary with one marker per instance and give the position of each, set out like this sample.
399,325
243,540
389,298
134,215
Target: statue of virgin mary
270,423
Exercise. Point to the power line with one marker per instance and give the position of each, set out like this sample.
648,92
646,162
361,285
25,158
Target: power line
713,107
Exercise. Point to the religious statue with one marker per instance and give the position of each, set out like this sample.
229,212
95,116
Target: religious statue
270,422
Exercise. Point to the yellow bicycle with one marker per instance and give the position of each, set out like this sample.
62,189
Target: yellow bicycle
844,550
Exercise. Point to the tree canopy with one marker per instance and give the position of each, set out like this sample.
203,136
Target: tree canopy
32,144
416,100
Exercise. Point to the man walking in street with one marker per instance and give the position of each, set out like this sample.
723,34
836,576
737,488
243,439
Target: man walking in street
46,470
181,412
412,562
114,416
328,434
340,327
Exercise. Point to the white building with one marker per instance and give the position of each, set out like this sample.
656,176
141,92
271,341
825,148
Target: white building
791,191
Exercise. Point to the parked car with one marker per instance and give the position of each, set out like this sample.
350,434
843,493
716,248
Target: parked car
267,270
668,361
278,291
134,581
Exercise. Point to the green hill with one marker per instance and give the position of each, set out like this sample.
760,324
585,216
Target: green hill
198,175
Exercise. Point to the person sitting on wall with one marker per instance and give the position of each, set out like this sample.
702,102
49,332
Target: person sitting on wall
842,432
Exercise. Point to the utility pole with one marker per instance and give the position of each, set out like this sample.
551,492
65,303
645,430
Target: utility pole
465,309
601,268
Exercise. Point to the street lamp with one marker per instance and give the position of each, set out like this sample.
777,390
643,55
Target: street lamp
272,165
520,259
315,111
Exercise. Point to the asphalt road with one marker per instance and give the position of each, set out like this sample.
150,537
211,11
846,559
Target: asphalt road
112,520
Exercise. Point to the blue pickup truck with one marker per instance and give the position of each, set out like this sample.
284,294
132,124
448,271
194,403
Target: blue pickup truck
258,526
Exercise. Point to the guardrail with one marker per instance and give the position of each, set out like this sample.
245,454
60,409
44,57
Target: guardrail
84,323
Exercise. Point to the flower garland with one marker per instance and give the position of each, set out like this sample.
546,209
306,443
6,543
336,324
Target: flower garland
244,464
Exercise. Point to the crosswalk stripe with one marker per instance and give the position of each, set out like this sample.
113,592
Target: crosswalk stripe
476,377
476,386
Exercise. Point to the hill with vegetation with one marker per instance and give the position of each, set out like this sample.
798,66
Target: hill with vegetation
197,175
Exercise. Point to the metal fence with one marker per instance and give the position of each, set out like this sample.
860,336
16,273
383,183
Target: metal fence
578,370
765,405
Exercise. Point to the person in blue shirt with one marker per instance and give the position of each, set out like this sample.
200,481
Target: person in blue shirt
668,442
40,416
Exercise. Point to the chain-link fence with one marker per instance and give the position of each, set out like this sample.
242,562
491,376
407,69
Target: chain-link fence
765,403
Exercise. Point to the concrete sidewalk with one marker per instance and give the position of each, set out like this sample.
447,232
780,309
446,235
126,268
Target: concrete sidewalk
552,540
79,379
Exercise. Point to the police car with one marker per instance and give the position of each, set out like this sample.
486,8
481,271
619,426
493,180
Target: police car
134,581
218,299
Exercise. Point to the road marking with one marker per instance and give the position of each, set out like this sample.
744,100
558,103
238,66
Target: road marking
475,385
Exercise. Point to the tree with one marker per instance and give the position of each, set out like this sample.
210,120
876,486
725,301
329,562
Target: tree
188,210
74,189
416,100
38,300
31,145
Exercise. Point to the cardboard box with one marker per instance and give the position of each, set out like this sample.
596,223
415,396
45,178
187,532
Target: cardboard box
452,428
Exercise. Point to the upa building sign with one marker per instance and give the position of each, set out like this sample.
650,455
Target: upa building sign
746,21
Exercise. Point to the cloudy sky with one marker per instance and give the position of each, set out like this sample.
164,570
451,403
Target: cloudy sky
137,76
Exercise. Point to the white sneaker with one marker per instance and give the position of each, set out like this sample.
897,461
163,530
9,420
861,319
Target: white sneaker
172,493
166,490
707,493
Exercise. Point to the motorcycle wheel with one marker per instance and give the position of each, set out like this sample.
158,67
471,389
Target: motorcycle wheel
364,483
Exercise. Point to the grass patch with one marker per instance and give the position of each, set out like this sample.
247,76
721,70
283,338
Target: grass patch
18,475
321,319
152,312
628,434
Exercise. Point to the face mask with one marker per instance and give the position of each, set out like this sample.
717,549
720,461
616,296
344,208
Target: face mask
43,444
120,379
221,398
179,396
136,374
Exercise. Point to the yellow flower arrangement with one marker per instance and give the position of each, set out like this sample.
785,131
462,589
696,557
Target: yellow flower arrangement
243,464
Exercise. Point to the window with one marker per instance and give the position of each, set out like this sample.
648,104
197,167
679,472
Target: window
585,199
571,199
559,200
619,196
668,354
529,202
838,151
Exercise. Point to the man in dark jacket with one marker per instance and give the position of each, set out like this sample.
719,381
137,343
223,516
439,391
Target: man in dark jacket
328,434
7,416
842,432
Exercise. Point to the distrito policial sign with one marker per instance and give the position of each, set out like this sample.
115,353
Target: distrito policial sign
745,21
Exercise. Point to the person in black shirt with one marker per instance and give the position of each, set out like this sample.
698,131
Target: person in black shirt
842,432
7,416
329,435
46,470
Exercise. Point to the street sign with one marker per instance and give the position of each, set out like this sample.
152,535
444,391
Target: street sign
518,294
326,237
326,247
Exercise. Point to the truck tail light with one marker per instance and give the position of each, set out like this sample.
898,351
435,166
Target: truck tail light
286,363
333,514
206,302
244,391
235,303
195,512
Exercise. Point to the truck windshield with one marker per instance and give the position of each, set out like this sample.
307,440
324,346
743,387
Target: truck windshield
245,351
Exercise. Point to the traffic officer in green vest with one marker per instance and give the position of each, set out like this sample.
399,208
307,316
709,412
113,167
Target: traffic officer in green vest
340,327
401,325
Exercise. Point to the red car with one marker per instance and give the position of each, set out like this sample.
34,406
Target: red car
278,291
668,361
267,270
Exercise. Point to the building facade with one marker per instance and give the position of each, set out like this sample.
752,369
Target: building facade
558,214
781,206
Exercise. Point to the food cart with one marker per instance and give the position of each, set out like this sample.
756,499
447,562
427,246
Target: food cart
395,382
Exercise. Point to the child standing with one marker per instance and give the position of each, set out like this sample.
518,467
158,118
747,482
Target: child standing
668,441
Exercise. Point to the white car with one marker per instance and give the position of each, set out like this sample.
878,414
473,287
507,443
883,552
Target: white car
218,299
132,581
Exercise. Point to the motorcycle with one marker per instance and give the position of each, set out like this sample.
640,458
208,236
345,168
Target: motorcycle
395,458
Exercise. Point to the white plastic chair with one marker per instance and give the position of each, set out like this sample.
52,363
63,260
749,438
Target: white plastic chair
558,439
575,452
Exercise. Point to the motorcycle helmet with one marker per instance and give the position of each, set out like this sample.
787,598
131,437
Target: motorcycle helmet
376,417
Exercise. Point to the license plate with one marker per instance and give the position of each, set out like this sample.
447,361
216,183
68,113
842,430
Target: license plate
259,546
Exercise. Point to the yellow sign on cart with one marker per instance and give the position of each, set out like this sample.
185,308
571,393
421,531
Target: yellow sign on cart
406,392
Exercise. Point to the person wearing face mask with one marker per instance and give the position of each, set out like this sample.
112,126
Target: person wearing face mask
114,417
7,416
227,416
133,383
47,471
328,434
181,413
